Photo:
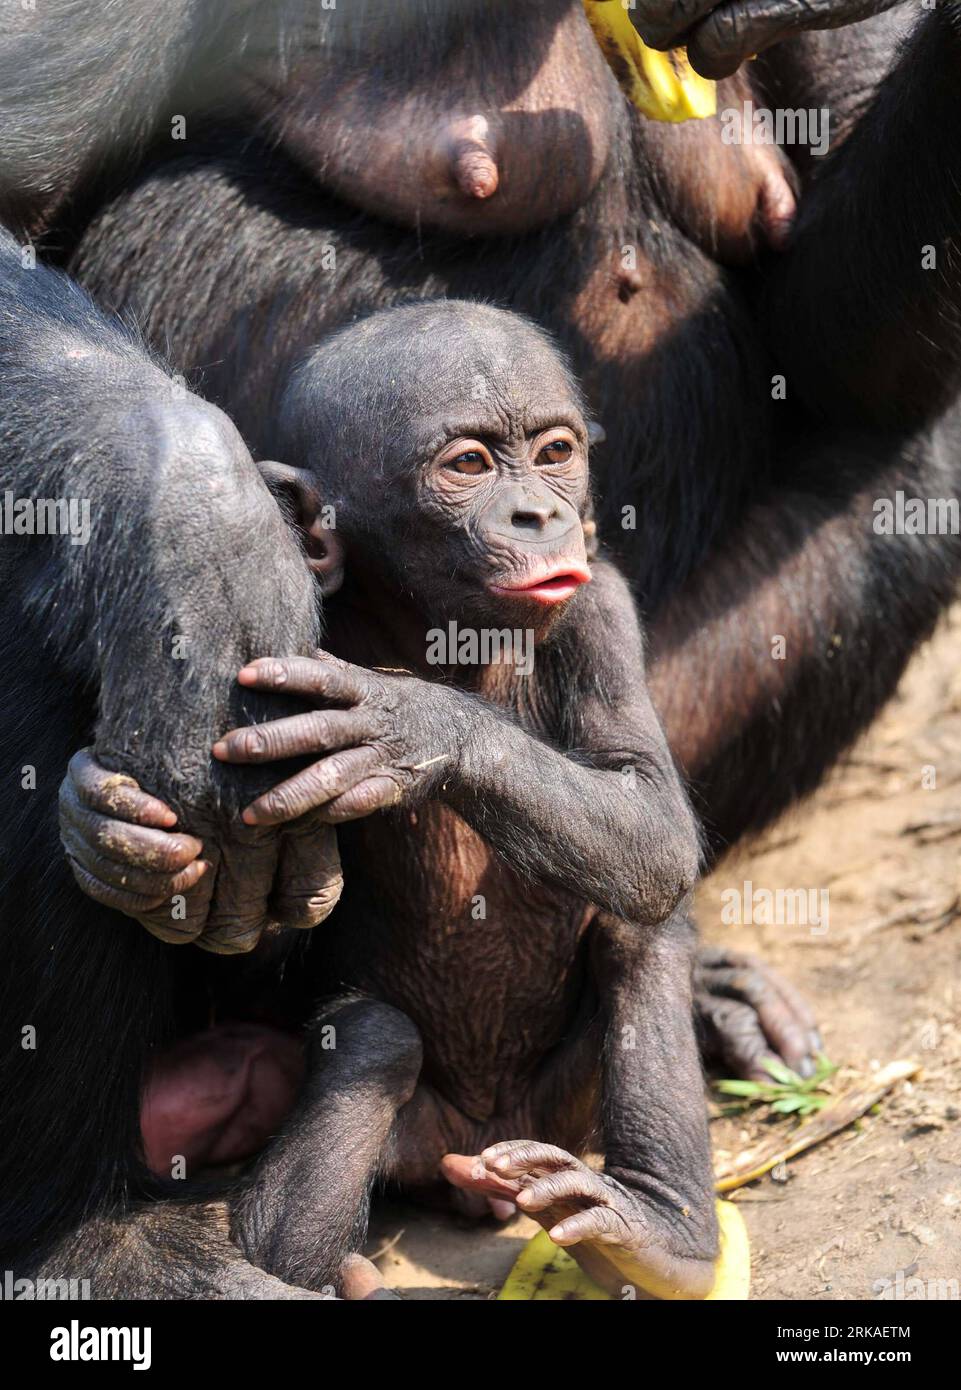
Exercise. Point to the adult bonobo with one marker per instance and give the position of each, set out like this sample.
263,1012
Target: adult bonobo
756,518
520,899
756,412
151,604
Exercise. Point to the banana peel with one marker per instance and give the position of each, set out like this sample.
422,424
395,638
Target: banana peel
663,86
543,1272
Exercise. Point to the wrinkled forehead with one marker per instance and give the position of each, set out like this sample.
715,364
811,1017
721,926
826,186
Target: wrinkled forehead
504,385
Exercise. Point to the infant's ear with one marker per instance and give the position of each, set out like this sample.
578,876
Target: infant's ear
296,491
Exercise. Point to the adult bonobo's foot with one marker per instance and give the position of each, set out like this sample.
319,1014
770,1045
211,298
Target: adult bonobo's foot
626,1239
745,1012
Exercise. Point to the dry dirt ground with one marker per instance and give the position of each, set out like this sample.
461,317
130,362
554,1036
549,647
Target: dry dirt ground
885,980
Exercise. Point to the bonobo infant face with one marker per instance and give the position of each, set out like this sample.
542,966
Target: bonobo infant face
451,442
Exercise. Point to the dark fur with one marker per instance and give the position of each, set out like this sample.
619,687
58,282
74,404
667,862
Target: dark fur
771,491
732,491
513,1026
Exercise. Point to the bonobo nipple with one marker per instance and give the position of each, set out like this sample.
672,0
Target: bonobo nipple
473,159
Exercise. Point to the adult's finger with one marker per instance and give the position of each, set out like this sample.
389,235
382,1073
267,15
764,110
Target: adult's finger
372,794
140,884
733,32
178,920
157,851
664,25
238,911
309,878
115,793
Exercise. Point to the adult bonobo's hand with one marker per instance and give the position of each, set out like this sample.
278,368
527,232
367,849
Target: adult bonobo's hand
395,740
124,853
720,37
193,570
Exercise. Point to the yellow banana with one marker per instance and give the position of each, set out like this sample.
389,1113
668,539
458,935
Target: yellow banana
732,1268
663,86
543,1272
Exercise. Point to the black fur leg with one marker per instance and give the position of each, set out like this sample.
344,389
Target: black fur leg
307,1206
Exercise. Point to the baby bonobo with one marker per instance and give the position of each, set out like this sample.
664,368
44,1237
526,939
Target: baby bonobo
509,967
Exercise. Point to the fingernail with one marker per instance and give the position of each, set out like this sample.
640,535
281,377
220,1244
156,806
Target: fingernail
477,1171
817,1042
523,1196
806,1067
219,749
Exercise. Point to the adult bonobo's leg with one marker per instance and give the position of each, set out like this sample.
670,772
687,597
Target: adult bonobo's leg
306,1209
170,561
646,1222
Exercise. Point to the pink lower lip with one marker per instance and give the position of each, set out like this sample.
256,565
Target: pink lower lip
556,588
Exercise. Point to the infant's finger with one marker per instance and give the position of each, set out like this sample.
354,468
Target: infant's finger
317,731
372,794
322,677
314,787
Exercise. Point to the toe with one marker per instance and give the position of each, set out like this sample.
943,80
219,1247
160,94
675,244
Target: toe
516,1157
570,1185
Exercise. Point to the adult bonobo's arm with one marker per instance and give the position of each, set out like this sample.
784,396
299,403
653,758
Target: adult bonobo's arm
863,311
178,563
602,813
868,340
719,38
788,639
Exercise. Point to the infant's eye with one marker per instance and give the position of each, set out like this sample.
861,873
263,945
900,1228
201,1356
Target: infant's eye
471,462
557,451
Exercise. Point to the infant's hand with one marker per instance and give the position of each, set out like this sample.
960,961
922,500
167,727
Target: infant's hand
390,738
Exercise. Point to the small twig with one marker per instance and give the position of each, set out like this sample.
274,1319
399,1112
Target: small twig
846,1109
388,1246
